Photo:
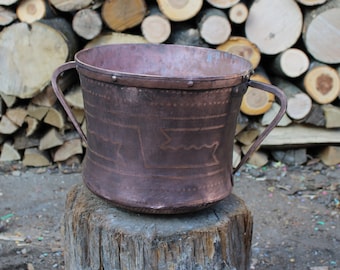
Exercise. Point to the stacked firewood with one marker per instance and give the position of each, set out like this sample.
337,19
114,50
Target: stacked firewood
291,44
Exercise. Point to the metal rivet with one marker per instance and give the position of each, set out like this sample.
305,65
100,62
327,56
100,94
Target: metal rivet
190,83
114,78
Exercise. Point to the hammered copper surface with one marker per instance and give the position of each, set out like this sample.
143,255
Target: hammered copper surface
160,123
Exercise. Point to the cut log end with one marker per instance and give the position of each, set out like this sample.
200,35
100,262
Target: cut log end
178,11
255,101
156,28
215,29
31,10
242,47
238,13
293,62
322,83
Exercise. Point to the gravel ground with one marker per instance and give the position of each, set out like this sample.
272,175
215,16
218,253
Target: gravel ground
296,216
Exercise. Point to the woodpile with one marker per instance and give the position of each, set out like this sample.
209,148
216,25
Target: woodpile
291,44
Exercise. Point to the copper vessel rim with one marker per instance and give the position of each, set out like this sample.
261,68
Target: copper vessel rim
236,77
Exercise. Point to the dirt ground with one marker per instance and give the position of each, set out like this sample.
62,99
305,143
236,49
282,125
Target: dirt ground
296,216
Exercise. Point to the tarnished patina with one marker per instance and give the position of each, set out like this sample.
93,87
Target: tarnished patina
161,121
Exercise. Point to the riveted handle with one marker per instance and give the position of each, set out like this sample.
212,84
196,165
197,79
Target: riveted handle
282,100
61,98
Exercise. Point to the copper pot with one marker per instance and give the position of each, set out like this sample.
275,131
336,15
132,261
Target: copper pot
160,123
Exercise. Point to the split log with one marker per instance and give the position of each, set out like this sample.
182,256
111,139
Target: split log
271,27
55,118
68,149
7,126
322,83
299,104
33,157
32,125
258,159
248,136
301,135
115,38
291,157
255,101
269,116
16,115
237,154
7,16
9,153
332,116
222,3
8,99
33,10
216,238
243,47
37,112
87,23
122,14
156,28
213,26
29,66
50,139
291,63
330,155
238,13
74,97
179,11
47,97
69,6
324,19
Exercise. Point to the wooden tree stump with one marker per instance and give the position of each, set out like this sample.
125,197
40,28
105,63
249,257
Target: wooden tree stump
100,236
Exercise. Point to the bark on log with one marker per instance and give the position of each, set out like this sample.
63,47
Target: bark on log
214,26
271,27
156,28
186,35
321,32
100,236
178,11
123,14
243,47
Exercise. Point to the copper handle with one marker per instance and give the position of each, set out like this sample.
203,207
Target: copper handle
61,98
282,99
